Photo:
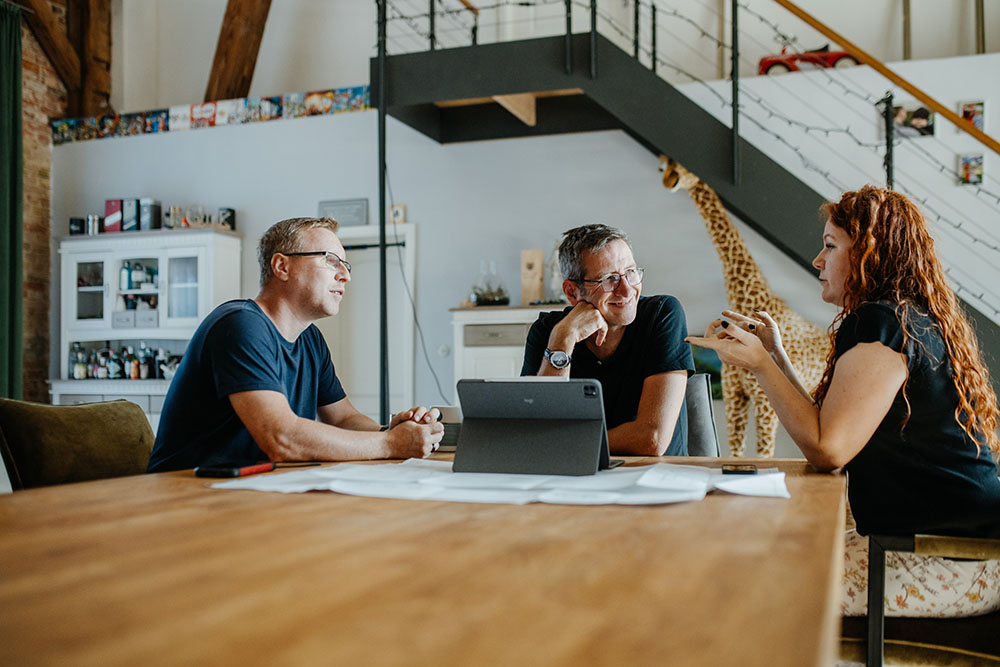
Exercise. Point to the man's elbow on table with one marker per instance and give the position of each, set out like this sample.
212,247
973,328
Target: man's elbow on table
645,441
278,442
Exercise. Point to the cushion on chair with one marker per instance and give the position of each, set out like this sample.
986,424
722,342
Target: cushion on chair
57,444
703,439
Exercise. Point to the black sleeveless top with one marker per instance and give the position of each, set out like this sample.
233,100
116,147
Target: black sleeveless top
929,477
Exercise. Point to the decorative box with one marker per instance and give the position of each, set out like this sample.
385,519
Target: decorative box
149,213
112,215
123,319
130,215
146,318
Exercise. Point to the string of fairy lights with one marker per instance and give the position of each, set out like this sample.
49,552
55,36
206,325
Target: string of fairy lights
454,24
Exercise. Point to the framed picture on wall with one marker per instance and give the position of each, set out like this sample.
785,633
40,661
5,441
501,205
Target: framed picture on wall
974,112
970,169
911,119
348,212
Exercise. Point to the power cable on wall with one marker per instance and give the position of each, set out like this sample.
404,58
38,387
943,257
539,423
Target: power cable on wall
409,295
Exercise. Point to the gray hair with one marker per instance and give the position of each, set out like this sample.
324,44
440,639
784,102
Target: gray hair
284,237
587,238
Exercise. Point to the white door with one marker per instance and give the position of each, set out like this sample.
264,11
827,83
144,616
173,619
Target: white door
353,334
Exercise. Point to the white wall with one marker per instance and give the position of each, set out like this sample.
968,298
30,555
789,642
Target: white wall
163,49
469,202
954,211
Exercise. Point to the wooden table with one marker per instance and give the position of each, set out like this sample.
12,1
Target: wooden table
161,569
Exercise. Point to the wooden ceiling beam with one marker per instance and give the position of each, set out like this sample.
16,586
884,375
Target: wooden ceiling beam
95,93
52,38
236,52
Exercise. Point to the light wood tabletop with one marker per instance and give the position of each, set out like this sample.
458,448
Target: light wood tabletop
163,570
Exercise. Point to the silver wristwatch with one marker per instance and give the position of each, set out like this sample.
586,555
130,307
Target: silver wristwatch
558,358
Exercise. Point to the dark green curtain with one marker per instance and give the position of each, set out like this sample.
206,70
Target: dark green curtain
11,207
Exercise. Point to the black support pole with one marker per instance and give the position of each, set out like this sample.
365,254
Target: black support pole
890,131
475,30
735,53
593,39
635,29
569,37
383,292
652,31
430,14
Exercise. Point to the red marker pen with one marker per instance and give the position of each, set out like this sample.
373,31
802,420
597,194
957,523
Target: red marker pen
233,471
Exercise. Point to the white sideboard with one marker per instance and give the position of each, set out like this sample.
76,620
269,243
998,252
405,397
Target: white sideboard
489,340
177,277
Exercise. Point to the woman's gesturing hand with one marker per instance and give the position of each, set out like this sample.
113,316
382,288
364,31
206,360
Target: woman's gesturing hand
734,341
763,326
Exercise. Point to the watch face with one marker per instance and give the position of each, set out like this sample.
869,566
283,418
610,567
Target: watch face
558,359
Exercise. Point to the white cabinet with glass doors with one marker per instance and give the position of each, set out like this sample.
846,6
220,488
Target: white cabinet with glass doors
140,286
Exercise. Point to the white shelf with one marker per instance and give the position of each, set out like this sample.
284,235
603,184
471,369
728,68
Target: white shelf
211,274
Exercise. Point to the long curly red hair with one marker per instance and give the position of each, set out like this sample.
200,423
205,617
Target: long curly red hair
892,259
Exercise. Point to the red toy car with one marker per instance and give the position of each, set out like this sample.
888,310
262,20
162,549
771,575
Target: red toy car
793,62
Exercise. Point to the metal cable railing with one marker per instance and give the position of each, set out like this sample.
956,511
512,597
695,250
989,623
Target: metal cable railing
836,139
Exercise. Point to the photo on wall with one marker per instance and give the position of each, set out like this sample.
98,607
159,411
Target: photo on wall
974,112
911,119
970,169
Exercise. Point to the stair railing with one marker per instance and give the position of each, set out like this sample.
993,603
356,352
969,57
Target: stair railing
867,59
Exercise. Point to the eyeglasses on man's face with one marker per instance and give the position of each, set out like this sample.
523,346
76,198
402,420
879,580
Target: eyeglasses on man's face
333,260
610,282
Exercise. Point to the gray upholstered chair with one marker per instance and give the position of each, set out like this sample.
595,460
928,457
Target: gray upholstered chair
703,438
58,444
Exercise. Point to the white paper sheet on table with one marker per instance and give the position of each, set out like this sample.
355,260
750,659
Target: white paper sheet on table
769,483
418,479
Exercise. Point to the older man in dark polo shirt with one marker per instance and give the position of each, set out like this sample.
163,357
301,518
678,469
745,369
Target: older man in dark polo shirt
633,344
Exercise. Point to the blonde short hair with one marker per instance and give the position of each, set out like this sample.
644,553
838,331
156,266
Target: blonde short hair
285,237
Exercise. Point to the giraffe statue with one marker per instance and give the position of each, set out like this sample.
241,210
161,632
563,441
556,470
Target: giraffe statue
747,290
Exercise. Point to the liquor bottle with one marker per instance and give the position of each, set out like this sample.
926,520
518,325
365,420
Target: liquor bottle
71,369
132,365
160,362
143,358
114,366
102,365
138,275
79,362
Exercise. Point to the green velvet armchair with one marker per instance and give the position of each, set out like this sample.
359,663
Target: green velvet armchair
58,444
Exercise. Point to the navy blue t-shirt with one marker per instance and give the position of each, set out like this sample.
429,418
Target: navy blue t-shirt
929,477
237,348
652,344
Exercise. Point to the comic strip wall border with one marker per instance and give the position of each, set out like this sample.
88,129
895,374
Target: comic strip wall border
212,114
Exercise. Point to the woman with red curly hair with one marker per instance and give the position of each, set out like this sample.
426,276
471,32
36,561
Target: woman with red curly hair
905,404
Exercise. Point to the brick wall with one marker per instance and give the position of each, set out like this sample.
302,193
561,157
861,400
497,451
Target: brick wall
43,98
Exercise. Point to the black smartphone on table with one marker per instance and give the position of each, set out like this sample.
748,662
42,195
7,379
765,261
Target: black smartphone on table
739,469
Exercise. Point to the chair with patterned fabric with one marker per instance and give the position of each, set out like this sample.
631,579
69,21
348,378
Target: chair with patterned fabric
972,640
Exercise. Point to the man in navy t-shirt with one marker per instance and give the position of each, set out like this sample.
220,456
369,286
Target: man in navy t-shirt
257,382
634,345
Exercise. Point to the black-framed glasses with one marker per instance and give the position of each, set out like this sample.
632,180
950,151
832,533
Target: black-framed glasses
333,260
610,282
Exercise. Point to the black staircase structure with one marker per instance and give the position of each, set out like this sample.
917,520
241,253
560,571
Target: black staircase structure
587,83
